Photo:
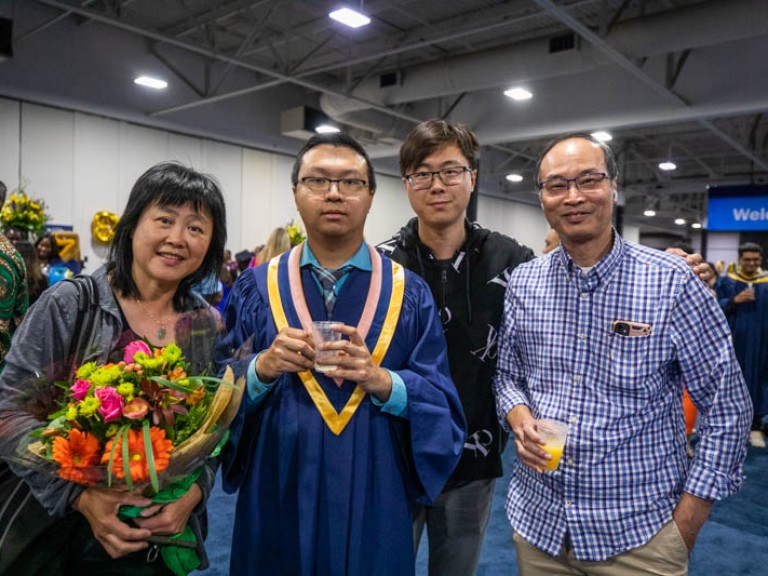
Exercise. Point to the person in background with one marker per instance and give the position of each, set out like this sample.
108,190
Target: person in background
211,289
466,267
709,276
603,334
14,297
47,251
551,241
37,282
227,278
243,260
278,242
54,268
171,235
743,296
327,463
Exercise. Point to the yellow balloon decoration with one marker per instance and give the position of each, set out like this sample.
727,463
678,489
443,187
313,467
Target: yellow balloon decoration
103,226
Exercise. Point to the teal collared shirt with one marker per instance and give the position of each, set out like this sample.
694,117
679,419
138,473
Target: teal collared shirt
397,405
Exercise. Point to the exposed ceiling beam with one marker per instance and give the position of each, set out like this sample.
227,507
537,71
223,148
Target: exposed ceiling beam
575,25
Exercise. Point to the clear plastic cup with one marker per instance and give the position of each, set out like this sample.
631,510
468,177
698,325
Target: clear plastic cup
322,333
554,434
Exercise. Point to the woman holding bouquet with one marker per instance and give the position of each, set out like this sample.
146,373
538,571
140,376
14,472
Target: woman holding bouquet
171,235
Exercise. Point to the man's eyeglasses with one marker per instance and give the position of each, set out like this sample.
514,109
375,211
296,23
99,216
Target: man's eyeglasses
346,186
558,186
448,176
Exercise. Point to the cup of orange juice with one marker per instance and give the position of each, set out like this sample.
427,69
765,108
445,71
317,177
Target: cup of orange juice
554,433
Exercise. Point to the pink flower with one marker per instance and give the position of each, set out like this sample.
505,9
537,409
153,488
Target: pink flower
80,389
132,348
136,409
111,403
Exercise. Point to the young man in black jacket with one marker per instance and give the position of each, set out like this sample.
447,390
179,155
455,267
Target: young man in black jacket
466,267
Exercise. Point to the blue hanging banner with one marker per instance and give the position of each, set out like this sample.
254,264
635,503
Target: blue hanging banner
735,208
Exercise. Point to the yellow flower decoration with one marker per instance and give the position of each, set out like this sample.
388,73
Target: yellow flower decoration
85,370
105,375
89,406
20,211
126,390
71,412
172,353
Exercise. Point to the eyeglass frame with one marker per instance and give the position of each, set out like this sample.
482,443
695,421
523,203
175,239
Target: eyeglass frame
432,174
603,176
337,181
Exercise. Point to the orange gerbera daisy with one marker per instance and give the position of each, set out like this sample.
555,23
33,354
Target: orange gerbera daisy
77,456
137,455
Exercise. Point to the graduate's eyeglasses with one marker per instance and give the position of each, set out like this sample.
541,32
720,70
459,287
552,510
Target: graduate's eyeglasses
448,176
345,186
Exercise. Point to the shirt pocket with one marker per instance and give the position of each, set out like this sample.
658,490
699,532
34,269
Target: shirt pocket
628,366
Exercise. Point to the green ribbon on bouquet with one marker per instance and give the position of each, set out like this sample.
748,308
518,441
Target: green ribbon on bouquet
183,559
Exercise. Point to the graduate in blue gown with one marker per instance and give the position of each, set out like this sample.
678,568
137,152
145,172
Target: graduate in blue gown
743,296
327,464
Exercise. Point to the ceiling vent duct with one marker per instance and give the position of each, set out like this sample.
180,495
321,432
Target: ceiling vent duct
562,43
302,122
6,38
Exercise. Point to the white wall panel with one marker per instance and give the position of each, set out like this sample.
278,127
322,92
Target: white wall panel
47,159
186,150
10,111
723,246
523,222
390,210
140,148
225,163
96,180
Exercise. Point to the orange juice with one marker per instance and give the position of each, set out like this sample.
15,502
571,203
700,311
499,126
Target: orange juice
554,434
557,453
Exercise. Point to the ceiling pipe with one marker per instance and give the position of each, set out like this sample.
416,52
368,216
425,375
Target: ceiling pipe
650,35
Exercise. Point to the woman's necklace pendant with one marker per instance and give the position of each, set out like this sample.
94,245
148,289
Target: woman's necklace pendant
161,333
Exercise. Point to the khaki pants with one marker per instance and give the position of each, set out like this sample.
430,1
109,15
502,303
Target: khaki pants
663,555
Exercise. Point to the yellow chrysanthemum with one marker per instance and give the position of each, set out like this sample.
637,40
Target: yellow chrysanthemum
85,370
126,390
89,406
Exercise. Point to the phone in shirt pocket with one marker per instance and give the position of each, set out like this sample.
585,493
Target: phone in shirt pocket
629,328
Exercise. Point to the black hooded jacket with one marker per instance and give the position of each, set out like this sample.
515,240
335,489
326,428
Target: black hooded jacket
469,291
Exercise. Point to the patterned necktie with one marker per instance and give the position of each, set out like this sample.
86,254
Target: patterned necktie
328,280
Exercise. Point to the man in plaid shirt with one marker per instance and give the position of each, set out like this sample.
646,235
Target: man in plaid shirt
603,333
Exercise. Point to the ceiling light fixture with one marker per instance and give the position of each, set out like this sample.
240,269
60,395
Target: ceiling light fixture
150,82
602,136
679,221
696,225
667,166
650,213
518,94
350,17
326,129
514,177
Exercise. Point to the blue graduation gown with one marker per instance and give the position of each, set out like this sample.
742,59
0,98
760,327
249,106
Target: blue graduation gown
749,326
315,503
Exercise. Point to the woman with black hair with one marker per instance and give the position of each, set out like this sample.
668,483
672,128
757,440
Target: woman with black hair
171,235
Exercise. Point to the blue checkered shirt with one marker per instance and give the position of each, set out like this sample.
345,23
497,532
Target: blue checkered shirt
624,466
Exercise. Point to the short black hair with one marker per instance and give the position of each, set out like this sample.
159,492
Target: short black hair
339,139
750,247
610,158
168,184
433,135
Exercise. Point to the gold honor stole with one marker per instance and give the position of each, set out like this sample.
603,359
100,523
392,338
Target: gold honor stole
337,421
735,274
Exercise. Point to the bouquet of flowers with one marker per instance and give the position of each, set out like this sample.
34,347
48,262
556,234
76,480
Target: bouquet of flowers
142,423
23,213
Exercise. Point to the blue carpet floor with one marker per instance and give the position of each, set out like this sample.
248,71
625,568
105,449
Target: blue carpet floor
733,543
